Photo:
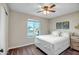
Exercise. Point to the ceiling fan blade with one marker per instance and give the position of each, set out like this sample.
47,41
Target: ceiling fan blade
52,6
39,11
52,11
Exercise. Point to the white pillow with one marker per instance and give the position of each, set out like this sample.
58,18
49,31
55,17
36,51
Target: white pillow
64,34
56,33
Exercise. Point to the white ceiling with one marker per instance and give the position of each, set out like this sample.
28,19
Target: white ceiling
32,8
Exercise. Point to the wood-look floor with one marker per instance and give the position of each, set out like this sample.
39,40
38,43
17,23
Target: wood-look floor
32,50
26,50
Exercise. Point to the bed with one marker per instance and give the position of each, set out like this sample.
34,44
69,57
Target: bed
53,45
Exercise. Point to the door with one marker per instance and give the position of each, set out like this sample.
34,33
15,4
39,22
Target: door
3,29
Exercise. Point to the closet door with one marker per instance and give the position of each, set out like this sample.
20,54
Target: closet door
0,28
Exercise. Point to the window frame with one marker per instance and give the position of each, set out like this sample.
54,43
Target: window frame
32,20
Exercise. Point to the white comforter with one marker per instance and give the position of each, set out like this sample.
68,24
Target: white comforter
51,39
57,42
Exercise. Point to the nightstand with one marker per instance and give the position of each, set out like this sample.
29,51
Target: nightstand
75,42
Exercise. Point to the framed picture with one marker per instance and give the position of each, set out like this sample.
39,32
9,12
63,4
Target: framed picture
77,26
66,25
59,25
62,25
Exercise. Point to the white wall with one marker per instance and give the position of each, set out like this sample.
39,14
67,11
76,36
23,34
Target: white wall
17,29
73,18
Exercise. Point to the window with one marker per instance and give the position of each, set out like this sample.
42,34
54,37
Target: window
33,28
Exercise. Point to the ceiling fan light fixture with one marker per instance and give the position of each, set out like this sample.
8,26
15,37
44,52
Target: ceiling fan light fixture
47,8
46,12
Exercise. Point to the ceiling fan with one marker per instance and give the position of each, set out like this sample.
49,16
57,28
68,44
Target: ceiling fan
46,9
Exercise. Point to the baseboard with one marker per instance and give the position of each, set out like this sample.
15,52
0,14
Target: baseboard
20,46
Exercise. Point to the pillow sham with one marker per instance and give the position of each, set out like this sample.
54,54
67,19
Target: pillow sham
56,33
64,34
